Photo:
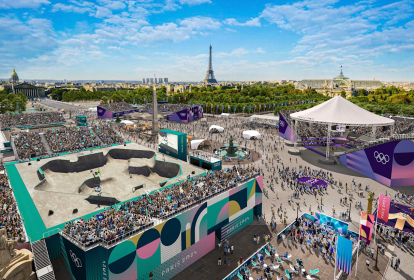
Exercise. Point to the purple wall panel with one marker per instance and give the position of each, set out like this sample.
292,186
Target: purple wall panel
391,164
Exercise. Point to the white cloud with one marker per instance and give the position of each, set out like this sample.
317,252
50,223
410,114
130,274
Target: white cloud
230,30
193,2
237,52
333,34
25,39
259,50
70,8
115,5
114,48
102,12
251,22
198,23
20,4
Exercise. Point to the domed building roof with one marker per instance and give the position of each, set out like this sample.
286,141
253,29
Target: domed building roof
14,77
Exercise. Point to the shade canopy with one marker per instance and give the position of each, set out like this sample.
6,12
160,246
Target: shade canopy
216,127
196,143
338,110
249,134
126,122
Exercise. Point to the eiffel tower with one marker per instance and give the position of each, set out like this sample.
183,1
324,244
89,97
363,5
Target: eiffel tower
210,79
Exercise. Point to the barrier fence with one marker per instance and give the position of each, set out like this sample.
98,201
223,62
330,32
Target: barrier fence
244,264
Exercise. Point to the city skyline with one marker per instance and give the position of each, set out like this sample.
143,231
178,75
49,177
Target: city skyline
271,40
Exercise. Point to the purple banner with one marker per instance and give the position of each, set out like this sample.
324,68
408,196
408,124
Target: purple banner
106,114
312,182
186,115
284,129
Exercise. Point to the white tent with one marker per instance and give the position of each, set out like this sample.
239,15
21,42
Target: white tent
338,110
249,134
216,127
225,115
195,143
126,122
93,109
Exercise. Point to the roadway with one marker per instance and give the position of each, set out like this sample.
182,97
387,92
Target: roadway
61,105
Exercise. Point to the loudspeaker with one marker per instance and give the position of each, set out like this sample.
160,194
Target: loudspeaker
30,163
38,159
75,211
193,172
50,213
333,127
124,144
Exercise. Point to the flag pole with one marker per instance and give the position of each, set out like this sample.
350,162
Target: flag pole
336,255
375,229
359,240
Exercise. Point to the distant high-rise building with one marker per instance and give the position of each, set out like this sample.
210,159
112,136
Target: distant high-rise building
165,80
143,80
210,79
148,80
151,80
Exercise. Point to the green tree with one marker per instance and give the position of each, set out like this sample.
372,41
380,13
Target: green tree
343,94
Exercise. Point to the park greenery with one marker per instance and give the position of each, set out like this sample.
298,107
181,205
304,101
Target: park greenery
383,100
11,103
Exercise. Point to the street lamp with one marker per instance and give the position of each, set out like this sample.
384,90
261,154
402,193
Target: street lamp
376,260
350,207
297,210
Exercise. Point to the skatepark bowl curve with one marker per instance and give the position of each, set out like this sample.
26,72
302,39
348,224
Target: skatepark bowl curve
65,183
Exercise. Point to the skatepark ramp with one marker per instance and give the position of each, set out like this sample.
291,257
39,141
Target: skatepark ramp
102,200
94,161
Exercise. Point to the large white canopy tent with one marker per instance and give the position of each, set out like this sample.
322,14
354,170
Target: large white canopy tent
216,127
251,134
195,143
339,111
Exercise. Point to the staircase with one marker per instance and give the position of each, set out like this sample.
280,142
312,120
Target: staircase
44,141
44,269
14,149
337,160
101,143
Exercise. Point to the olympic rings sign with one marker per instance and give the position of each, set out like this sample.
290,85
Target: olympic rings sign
75,259
381,158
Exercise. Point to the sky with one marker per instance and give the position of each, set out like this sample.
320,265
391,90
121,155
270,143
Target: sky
252,40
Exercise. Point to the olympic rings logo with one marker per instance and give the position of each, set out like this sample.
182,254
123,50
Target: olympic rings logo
380,157
282,123
75,259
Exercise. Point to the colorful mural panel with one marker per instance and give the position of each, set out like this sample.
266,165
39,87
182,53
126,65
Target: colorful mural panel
171,246
389,163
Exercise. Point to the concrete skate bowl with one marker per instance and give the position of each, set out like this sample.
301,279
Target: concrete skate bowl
150,166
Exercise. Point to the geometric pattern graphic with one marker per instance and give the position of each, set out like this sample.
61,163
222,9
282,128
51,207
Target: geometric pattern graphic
390,163
337,225
161,248
344,254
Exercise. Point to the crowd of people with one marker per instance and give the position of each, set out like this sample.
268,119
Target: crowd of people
107,134
29,145
107,225
65,139
30,119
117,107
71,139
172,200
9,215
